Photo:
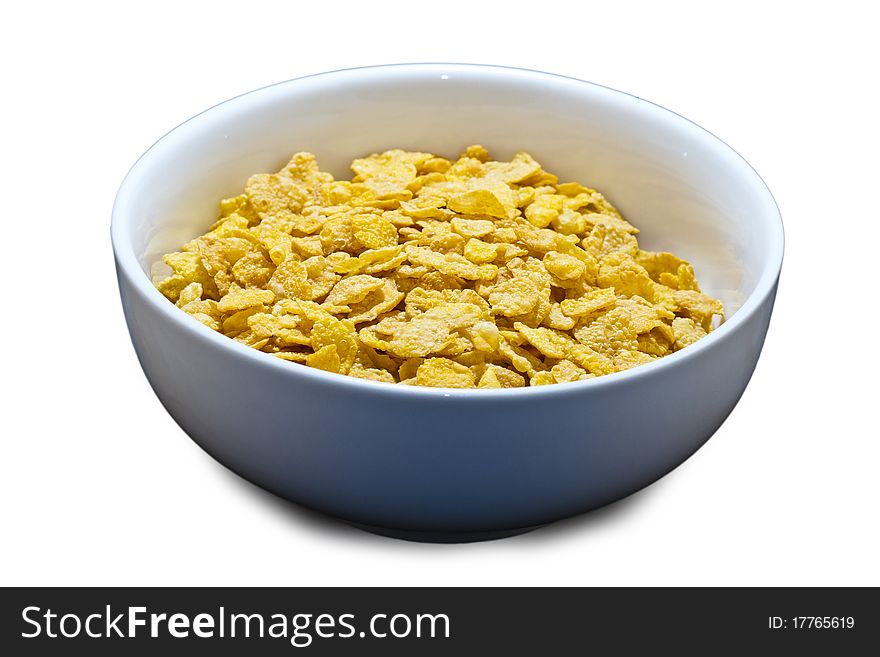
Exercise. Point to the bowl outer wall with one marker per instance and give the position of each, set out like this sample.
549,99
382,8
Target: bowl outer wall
428,463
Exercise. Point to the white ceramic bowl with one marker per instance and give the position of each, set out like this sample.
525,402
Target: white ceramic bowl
438,463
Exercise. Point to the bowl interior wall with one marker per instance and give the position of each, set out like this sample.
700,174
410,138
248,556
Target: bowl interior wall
680,187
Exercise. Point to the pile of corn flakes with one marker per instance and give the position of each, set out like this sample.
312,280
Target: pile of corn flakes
424,271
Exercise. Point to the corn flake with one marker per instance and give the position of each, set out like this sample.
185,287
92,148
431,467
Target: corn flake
444,373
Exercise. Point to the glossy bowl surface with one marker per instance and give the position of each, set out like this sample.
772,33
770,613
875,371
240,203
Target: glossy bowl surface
436,462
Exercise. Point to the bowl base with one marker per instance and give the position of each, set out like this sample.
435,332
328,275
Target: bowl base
430,536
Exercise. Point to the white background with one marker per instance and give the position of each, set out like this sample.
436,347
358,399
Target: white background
99,486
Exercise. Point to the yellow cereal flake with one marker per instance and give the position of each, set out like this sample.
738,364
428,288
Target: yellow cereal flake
451,264
408,368
325,358
542,378
329,331
515,296
373,231
292,356
192,292
563,266
565,371
479,252
291,279
376,303
464,273
371,373
698,306
518,171
489,379
417,337
685,332
495,376
589,302
569,222
353,289
239,299
444,373
307,247
273,193
556,319
553,344
472,227
627,359
478,201
543,210
485,336
253,269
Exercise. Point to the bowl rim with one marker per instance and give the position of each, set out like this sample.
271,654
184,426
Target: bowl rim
129,265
